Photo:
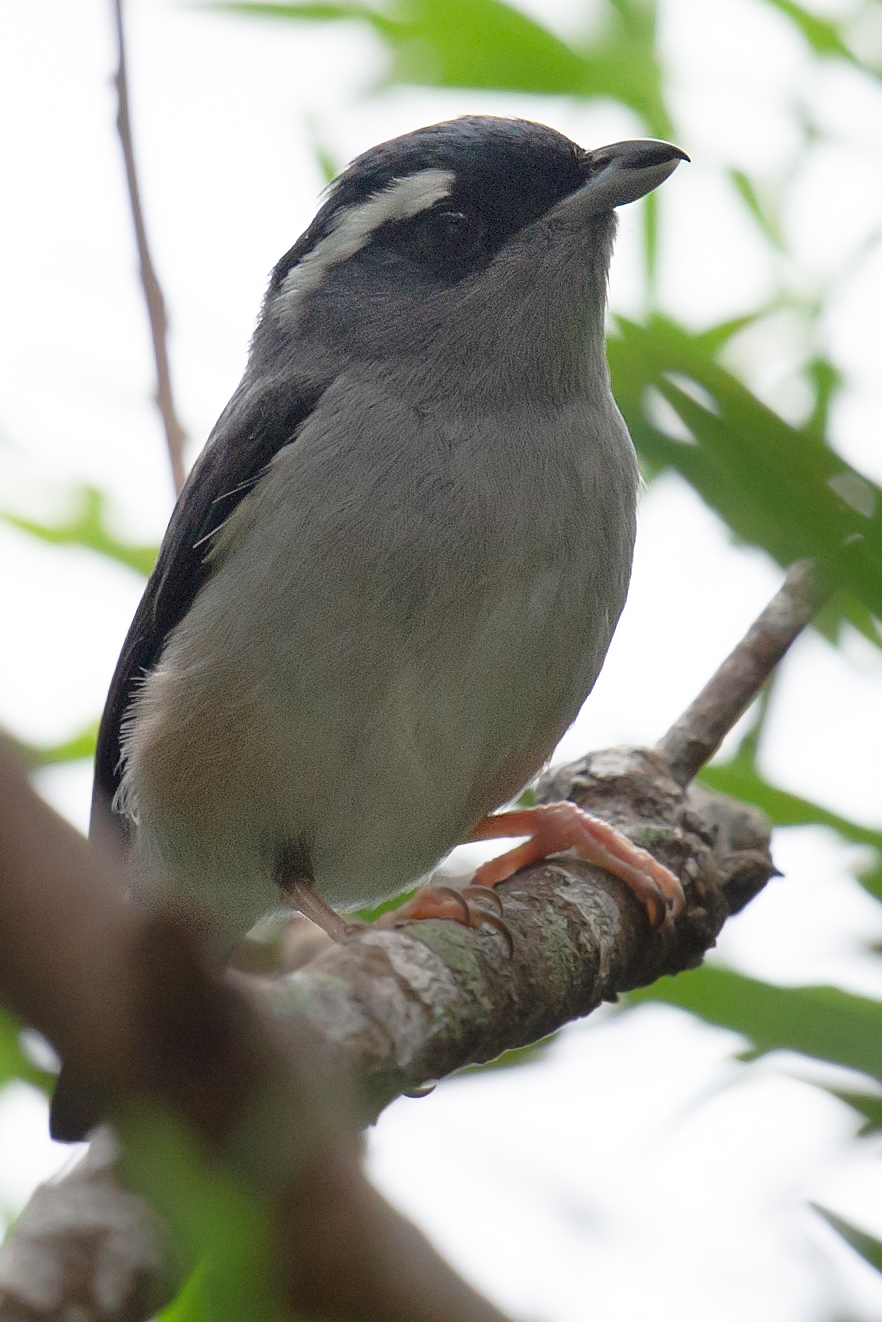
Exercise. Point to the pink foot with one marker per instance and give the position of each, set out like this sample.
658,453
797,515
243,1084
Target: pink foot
468,906
554,827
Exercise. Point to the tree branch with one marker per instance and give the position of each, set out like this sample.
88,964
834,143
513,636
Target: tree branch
399,1008
124,999
175,436
391,1010
697,735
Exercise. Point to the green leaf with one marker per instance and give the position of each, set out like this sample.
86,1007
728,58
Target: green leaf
869,1248
650,239
385,906
14,1062
777,486
457,43
190,1305
328,166
482,44
822,1022
768,223
869,1105
742,781
713,338
221,1233
88,527
307,13
489,44
75,749
841,609
826,380
822,35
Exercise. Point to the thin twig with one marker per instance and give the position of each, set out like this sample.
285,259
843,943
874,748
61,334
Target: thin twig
174,432
696,736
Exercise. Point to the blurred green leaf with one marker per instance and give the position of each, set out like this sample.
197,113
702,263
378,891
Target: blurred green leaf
822,1022
650,239
190,1305
713,338
826,380
777,486
88,527
488,44
328,166
75,749
767,221
221,1234
385,906
869,1105
427,40
741,779
841,609
14,1061
869,1248
822,35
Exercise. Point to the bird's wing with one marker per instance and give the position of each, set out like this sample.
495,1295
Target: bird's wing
255,425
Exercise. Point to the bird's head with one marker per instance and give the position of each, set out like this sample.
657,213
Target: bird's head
478,247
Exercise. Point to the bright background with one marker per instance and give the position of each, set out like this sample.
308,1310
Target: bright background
637,1166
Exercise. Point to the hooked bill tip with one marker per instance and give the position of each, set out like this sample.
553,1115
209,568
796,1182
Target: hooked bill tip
636,154
625,171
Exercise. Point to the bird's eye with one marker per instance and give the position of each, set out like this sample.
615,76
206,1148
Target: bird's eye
444,226
449,243
443,237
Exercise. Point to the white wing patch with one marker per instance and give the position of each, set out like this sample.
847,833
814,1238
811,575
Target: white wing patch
399,200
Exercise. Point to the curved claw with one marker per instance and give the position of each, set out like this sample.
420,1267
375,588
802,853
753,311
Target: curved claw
458,898
477,894
461,906
499,925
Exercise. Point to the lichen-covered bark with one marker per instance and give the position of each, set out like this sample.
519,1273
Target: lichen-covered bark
400,1007
396,1008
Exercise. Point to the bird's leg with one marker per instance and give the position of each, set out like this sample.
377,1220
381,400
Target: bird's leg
554,827
467,906
293,875
304,896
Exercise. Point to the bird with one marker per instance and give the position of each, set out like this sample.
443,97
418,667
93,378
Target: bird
394,572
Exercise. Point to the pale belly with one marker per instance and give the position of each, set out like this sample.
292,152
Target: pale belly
371,707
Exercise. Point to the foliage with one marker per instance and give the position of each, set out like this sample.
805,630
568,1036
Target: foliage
87,527
779,487
866,1245
15,1062
822,1022
218,1224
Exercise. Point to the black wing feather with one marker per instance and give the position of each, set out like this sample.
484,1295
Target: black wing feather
254,426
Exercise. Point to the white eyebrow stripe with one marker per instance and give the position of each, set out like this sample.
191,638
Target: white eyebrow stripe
399,200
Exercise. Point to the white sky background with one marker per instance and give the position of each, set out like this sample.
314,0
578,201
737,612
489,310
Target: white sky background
637,1167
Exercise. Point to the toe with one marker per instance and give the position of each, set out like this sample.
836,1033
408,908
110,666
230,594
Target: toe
484,897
